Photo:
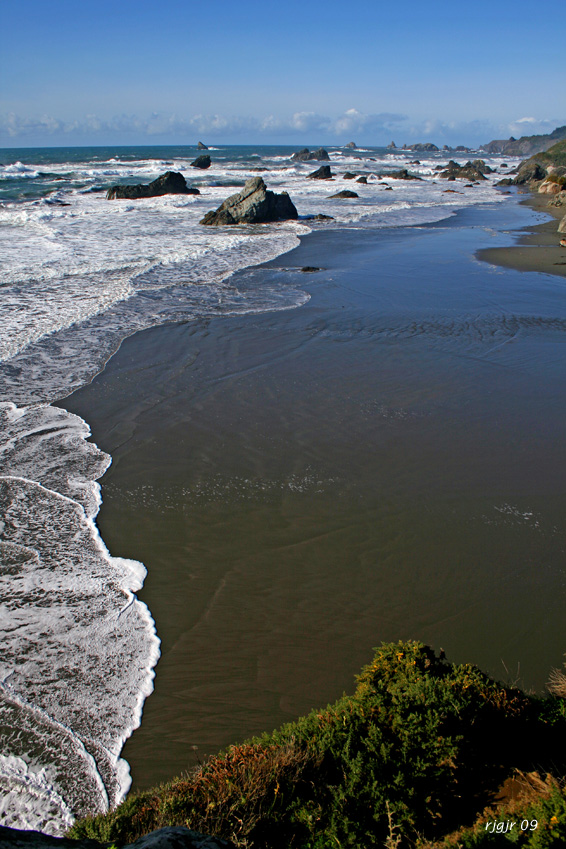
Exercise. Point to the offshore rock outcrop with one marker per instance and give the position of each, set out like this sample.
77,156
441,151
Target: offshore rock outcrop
202,146
402,174
170,183
201,161
305,155
322,173
253,205
470,171
345,194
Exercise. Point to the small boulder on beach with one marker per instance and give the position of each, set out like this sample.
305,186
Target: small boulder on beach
253,205
170,183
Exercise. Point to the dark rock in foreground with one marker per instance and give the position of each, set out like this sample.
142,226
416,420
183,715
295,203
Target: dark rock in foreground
179,837
345,194
305,155
253,205
202,146
201,161
322,173
171,837
170,183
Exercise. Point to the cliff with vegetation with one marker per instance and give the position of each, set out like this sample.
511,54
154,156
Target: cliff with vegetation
412,758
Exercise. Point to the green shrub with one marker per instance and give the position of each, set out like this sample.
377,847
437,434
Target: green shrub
418,749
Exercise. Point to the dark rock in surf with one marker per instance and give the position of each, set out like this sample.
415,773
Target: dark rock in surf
469,171
423,146
253,205
402,174
344,194
349,176
201,161
202,146
322,173
351,146
305,155
170,183
362,180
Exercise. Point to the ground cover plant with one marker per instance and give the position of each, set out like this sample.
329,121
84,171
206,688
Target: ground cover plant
416,753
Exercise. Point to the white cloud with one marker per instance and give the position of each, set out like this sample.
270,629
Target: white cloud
369,128
352,121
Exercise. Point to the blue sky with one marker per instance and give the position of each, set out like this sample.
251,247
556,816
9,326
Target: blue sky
141,72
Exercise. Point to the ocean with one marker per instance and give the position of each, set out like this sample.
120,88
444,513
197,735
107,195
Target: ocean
79,275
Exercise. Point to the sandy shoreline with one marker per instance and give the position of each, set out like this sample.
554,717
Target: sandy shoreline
538,249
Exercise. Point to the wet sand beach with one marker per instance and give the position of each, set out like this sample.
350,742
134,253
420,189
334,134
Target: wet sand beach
539,248
385,462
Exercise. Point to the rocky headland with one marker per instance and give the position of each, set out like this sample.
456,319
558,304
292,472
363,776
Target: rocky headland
526,145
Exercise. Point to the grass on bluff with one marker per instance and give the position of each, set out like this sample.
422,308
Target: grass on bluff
555,155
412,757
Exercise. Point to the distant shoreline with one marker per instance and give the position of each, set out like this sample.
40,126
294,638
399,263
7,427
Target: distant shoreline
538,248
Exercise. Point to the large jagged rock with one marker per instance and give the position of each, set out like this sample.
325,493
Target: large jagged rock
322,173
469,171
170,183
201,161
202,146
305,155
253,205
176,837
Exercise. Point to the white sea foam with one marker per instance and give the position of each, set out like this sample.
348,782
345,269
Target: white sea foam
78,647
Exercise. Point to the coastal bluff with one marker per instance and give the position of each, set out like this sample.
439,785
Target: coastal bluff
255,204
